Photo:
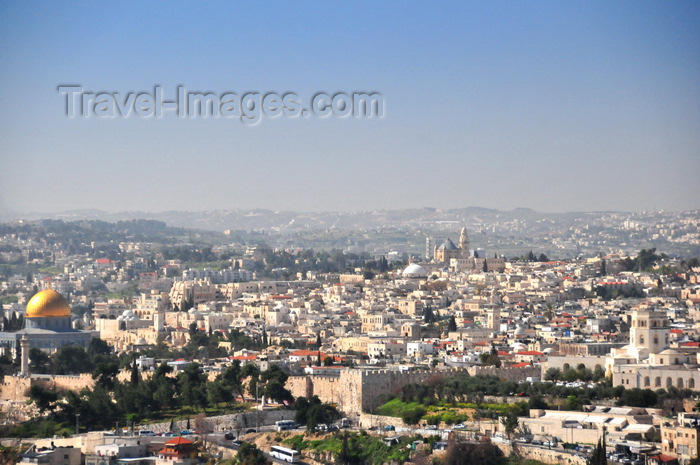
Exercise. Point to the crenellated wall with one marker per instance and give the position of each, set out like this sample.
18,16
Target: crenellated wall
16,388
355,390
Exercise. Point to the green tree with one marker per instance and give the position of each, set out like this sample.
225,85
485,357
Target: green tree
135,377
573,403
105,374
412,416
232,378
249,454
428,315
39,361
71,359
218,393
252,372
43,398
510,423
276,391
599,454
192,386
163,387
452,324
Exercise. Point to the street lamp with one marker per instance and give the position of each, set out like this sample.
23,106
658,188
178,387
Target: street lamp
77,423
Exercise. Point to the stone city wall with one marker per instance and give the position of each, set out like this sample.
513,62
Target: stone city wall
355,391
16,388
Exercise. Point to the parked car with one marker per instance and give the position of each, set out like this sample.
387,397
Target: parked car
389,428
431,427
459,426
229,435
236,444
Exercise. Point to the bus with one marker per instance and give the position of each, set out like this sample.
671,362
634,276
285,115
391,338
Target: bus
285,424
284,453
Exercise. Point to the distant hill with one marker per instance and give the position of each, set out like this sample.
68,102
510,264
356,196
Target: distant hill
290,221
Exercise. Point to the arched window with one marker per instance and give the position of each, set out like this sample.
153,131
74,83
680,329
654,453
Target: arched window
669,382
691,383
647,382
657,381
679,383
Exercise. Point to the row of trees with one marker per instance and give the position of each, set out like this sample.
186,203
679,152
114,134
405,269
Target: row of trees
580,373
112,400
462,388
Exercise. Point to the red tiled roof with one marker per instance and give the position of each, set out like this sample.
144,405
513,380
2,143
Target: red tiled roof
529,352
520,365
306,353
179,440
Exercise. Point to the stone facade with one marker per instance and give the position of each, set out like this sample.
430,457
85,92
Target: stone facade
16,388
355,391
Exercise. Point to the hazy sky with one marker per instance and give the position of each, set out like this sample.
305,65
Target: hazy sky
556,106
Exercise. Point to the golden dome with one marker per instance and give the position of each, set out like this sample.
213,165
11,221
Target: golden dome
47,303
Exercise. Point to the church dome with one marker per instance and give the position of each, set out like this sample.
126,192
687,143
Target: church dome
448,245
414,271
47,303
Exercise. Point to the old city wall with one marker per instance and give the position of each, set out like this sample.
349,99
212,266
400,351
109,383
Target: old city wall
355,391
16,388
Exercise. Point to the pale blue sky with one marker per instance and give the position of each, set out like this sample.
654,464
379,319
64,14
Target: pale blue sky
556,106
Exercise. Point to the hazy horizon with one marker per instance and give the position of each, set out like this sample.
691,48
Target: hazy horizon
551,106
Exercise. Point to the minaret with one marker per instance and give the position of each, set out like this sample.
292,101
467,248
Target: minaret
464,242
24,346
